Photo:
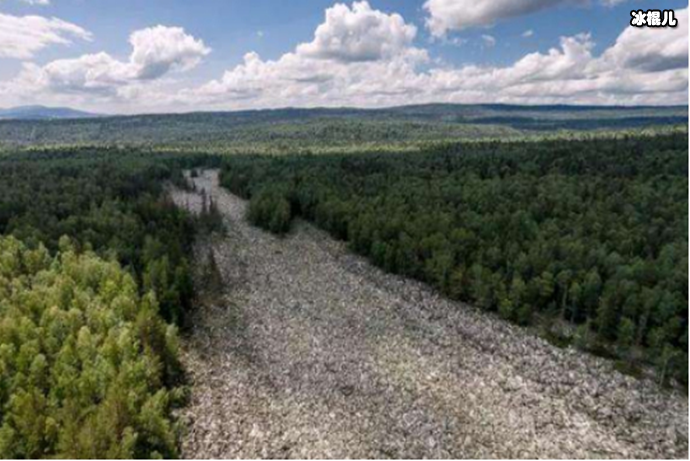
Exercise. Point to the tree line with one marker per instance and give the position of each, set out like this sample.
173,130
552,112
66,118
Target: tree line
586,238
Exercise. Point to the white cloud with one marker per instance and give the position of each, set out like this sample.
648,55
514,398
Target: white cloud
37,2
340,67
528,33
569,73
350,45
651,49
447,15
359,34
489,40
22,36
156,51
567,62
92,73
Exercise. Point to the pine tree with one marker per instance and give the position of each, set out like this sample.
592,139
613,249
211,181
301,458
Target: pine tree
626,338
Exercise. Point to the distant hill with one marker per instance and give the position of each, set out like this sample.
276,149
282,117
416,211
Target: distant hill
42,113
292,129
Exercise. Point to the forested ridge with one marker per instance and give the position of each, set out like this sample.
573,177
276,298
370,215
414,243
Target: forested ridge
587,239
323,129
94,282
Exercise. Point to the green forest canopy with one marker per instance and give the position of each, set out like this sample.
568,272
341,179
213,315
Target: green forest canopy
324,129
94,278
85,361
590,233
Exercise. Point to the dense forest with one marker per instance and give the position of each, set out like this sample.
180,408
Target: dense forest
586,239
323,129
94,283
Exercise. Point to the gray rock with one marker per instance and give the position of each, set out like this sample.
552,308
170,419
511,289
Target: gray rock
313,353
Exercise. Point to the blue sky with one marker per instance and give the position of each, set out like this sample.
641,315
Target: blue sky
421,62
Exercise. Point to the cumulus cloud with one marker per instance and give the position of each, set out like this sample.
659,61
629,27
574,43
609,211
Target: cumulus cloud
447,15
91,73
341,67
156,51
651,49
569,61
568,73
296,80
22,36
359,33
350,45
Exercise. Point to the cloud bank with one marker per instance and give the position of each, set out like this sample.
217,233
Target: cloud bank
156,51
360,56
447,15
644,66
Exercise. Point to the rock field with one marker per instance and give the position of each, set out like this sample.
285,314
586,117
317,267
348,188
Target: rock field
314,353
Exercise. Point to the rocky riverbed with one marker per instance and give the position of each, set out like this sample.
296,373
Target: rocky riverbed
313,353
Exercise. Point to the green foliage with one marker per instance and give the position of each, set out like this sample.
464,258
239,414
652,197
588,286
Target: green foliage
592,232
625,336
271,210
88,364
111,201
322,130
83,359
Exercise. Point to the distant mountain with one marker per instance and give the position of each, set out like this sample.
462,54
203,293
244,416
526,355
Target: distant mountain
42,113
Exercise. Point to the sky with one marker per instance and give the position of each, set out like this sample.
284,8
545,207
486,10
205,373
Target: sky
134,56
